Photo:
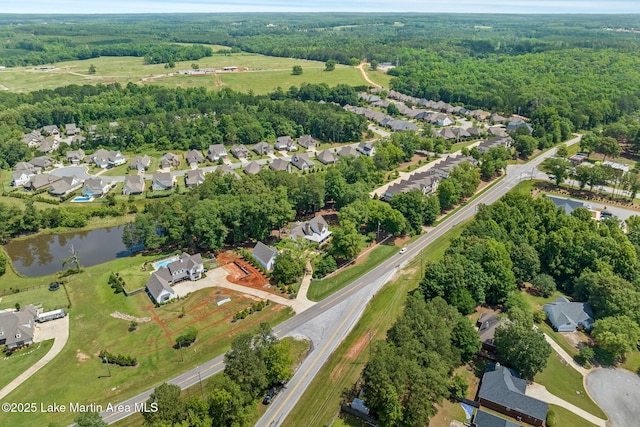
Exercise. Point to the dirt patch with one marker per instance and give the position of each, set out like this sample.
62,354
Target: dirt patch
358,347
576,339
336,372
243,273
81,356
130,318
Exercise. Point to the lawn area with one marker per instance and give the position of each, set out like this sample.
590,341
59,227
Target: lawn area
265,73
93,328
632,363
379,77
565,382
40,296
566,418
460,145
320,289
19,361
320,402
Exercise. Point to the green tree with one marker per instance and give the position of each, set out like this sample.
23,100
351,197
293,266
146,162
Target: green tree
563,151
616,335
330,65
608,147
346,241
589,142
558,167
374,64
583,175
245,366
526,262
522,348
92,69
392,109
525,145
297,70
3,264
465,338
468,178
288,267
170,406
195,66
207,227
448,193
544,285
90,419
228,404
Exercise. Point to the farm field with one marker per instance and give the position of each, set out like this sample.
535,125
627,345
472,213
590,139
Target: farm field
96,325
264,73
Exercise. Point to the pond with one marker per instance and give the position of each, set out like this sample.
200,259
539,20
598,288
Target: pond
42,255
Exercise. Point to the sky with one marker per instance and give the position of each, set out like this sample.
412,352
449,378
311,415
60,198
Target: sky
212,6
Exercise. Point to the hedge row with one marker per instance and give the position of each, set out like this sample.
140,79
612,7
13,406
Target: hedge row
120,359
253,309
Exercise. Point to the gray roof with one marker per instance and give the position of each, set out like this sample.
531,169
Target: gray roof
135,183
279,165
64,185
140,162
263,253
485,419
42,180
163,177
488,322
252,168
568,205
169,159
306,141
262,148
503,386
301,161
240,151
327,156
158,282
42,161
18,323
563,312
194,177
348,151
194,156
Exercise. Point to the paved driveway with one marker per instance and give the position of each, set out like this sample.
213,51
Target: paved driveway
617,392
79,171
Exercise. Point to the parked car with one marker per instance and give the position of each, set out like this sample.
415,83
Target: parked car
403,250
54,286
269,397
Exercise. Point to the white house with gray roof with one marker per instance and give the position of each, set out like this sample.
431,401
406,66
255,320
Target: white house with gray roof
264,255
216,152
567,316
187,267
285,143
17,328
133,185
315,230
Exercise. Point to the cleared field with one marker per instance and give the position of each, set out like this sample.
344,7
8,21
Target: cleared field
94,328
39,297
264,73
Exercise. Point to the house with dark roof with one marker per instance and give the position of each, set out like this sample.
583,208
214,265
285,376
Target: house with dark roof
193,157
140,163
17,328
307,142
240,151
497,131
485,419
162,181
133,185
567,316
280,165
216,152
302,162
285,143
264,255
193,177
487,324
425,182
252,168
262,148
517,123
169,160
227,170
367,148
187,267
75,156
71,129
497,119
504,391
496,141
327,157
33,139
315,230
95,187
569,205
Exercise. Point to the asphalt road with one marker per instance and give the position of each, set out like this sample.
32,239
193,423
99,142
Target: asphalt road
617,392
327,323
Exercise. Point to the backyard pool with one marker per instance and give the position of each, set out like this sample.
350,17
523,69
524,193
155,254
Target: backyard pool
82,199
164,262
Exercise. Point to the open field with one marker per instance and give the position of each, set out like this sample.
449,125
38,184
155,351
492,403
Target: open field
93,328
13,365
264,73
320,402
39,297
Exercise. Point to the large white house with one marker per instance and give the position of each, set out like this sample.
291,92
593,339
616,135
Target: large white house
315,230
187,267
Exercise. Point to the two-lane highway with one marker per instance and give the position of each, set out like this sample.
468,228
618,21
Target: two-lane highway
327,323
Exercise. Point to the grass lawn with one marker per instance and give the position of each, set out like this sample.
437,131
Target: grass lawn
565,382
320,289
265,73
379,77
19,361
320,402
460,145
93,329
39,297
632,363
566,418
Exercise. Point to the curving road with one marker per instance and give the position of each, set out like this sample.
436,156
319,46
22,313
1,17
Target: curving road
328,322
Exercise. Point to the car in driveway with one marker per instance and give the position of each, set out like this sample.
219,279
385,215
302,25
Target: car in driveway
403,250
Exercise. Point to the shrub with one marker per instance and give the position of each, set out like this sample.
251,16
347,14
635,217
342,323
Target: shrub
551,419
584,356
120,359
187,338
116,282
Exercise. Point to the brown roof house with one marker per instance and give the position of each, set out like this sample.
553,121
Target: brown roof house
240,151
262,148
40,181
75,156
65,185
169,160
17,327
280,165
133,185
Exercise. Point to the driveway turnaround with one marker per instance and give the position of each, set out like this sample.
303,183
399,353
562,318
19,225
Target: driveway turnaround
58,330
617,392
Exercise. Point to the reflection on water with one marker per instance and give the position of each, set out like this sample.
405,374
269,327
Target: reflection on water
43,255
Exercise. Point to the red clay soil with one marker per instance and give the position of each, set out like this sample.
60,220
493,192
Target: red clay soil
234,266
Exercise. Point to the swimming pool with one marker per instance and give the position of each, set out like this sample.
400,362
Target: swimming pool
164,262
82,199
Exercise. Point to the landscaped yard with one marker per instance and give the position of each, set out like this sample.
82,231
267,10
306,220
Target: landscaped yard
22,359
40,296
93,328
566,418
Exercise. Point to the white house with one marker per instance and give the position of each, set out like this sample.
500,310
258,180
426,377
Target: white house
315,230
265,255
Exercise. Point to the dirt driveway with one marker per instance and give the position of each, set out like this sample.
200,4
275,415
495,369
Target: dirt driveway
617,392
